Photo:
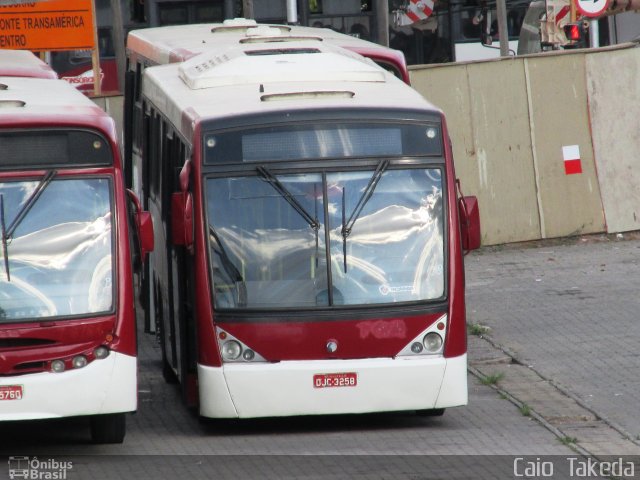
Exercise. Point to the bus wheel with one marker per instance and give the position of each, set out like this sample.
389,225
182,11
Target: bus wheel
434,412
108,428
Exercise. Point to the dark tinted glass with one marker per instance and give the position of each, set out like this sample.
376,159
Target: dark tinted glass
19,149
292,142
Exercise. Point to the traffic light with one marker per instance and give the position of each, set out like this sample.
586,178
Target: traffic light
577,35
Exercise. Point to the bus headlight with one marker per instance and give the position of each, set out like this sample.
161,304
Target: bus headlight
231,350
432,342
79,361
57,366
101,352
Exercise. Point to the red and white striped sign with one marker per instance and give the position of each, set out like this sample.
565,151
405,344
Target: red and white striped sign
416,11
562,14
572,162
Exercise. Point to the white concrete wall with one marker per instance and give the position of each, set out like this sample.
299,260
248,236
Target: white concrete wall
509,120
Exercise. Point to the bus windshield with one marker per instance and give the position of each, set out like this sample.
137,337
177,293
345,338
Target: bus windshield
343,239
57,260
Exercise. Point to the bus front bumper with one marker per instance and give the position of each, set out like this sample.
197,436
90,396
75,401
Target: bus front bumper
103,386
247,390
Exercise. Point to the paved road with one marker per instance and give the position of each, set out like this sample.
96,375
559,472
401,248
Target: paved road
567,310
571,310
164,439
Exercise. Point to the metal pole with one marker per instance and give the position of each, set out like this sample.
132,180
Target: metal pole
292,12
118,41
247,8
229,11
594,33
382,22
95,54
503,31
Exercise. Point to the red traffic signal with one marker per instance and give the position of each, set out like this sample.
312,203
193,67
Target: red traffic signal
576,34
572,32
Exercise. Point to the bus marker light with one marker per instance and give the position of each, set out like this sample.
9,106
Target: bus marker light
109,338
57,366
248,355
441,326
222,335
79,361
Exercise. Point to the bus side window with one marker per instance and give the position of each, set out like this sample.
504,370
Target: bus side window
138,82
177,160
152,156
138,110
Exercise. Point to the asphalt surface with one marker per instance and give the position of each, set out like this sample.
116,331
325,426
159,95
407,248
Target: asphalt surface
570,309
563,329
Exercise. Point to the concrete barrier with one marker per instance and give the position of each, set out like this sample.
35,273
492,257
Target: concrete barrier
515,121
614,105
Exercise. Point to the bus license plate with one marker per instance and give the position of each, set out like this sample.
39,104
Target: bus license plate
325,380
10,392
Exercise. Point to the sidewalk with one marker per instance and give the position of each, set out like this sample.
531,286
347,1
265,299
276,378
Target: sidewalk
562,333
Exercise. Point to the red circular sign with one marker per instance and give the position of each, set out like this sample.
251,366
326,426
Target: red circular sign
592,8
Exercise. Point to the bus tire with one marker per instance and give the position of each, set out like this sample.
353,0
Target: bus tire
433,412
109,428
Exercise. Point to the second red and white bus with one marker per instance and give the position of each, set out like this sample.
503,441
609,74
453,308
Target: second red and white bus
22,63
67,318
177,43
308,235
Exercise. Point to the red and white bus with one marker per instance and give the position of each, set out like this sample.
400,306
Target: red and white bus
176,43
22,63
67,319
308,235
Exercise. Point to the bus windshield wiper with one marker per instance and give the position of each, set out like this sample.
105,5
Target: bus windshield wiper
5,239
227,264
288,196
31,201
230,268
364,198
7,232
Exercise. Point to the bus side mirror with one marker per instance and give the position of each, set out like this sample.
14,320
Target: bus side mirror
145,231
469,222
182,210
182,219
144,226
